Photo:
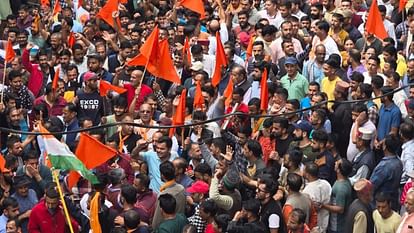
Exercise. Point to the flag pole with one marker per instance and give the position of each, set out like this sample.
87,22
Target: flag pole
3,80
65,209
143,74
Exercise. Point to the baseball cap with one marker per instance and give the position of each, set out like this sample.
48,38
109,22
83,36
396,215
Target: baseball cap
303,125
291,61
89,75
197,66
198,187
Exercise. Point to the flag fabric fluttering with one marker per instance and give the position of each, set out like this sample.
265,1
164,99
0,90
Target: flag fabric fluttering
264,94
105,86
198,96
228,92
71,39
194,5
179,116
10,54
187,51
57,8
374,24
55,79
106,13
94,214
62,158
221,61
91,153
402,5
249,50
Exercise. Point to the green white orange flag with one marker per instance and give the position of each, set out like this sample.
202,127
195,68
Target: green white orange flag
62,158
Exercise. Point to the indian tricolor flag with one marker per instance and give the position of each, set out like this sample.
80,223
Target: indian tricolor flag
60,157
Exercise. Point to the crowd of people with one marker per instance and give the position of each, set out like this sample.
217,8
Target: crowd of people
312,130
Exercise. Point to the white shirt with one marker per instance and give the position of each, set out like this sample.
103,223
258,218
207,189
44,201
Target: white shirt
407,159
352,151
329,43
224,37
320,191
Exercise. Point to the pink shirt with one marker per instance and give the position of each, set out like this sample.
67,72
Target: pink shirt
277,51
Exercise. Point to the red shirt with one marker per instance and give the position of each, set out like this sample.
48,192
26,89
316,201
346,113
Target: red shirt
145,90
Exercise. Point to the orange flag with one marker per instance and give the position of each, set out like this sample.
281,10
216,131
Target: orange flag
264,94
105,86
2,163
10,54
374,24
106,13
194,5
179,116
249,50
71,39
186,50
94,214
150,48
198,96
55,79
221,61
44,3
57,8
228,92
92,153
402,4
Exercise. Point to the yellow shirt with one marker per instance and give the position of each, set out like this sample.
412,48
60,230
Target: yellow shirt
328,87
401,65
342,35
389,225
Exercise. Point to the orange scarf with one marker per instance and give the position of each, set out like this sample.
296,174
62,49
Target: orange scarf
167,185
143,131
94,218
122,141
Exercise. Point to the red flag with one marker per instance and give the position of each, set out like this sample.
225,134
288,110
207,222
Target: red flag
44,3
186,50
402,4
105,86
80,3
228,92
221,61
92,153
264,95
57,8
106,13
374,24
71,39
179,116
10,54
198,96
195,5
249,50
55,79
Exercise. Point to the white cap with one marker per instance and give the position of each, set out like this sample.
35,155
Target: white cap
365,133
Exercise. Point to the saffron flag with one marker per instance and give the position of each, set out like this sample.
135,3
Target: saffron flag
62,158
374,24
2,163
55,79
106,13
402,4
150,48
179,116
249,50
44,3
10,54
228,92
264,94
198,96
71,39
57,8
94,214
221,61
91,153
194,5
186,50
105,86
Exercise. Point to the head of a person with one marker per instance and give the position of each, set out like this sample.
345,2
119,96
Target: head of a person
311,171
128,194
163,147
116,176
131,219
95,62
383,204
167,170
15,80
167,204
141,183
287,47
251,209
10,207
145,113
280,127
391,144
91,80
203,173
14,145
13,226
294,182
322,29
291,66
319,140
293,159
21,184
409,202
343,167
316,10
258,50
238,74
296,220
208,209
252,149
318,118
372,65
356,79
52,199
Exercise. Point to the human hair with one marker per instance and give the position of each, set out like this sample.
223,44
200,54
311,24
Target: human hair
253,206
294,102
167,203
10,202
143,180
314,83
131,219
317,5
407,131
199,115
357,77
300,214
269,30
383,197
295,156
12,140
323,25
375,58
283,92
246,130
359,107
391,50
189,229
129,193
345,167
377,82
270,183
392,143
204,169
14,74
254,102
312,169
167,170
167,140
294,181
31,154
219,143
366,89
196,49
255,147
282,121
182,164
120,101
51,192
320,136
210,207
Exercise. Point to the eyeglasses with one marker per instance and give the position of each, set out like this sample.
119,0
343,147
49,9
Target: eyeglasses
145,111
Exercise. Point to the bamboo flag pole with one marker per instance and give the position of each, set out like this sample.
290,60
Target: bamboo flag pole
65,209
3,80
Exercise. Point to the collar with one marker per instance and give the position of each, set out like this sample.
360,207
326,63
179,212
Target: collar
407,144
